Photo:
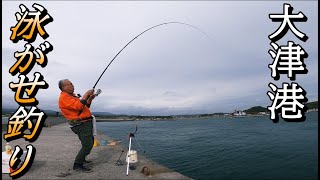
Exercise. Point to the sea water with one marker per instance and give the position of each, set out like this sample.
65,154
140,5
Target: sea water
5,120
227,148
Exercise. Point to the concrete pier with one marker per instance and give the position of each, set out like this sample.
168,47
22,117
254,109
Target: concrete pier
57,147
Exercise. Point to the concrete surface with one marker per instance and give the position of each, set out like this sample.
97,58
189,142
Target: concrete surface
57,147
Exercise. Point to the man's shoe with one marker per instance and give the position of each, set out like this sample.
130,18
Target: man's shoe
81,168
87,162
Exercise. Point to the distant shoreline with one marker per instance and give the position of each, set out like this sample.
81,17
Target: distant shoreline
114,120
51,121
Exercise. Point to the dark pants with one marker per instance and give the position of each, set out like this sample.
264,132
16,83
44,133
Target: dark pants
85,134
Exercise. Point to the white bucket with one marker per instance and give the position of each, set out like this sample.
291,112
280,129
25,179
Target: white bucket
133,156
6,160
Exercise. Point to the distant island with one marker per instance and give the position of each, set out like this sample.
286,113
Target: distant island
106,116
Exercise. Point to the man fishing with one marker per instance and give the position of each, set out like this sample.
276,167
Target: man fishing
79,116
77,111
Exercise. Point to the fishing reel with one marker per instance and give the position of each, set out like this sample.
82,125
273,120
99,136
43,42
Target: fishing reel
98,92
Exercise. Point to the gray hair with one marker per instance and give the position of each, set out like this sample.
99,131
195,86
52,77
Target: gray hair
61,83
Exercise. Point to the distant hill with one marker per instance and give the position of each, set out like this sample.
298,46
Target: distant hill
54,113
312,105
8,111
11,111
51,113
102,114
256,110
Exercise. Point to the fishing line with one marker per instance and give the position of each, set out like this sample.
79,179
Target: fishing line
166,23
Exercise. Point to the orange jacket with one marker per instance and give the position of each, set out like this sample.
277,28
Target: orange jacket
71,106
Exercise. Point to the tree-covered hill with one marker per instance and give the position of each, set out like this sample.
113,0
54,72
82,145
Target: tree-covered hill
312,105
256,110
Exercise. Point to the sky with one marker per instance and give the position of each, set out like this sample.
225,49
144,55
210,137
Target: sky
169,70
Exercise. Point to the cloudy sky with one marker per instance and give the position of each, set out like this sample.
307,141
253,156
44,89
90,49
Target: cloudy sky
172,69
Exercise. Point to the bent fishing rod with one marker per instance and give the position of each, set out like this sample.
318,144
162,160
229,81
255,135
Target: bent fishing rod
166,23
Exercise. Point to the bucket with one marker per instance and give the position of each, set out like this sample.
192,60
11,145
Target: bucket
6,169
103,142
96,143
133,156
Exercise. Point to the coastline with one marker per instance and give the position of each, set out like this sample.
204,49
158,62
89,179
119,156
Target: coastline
113,120
57,147
51,121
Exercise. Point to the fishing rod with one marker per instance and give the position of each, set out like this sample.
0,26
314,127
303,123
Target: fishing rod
166,23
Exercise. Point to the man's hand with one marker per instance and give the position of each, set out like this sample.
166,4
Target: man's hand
91,98
88,94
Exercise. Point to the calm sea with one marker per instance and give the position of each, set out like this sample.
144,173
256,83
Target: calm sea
227,148
5,120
